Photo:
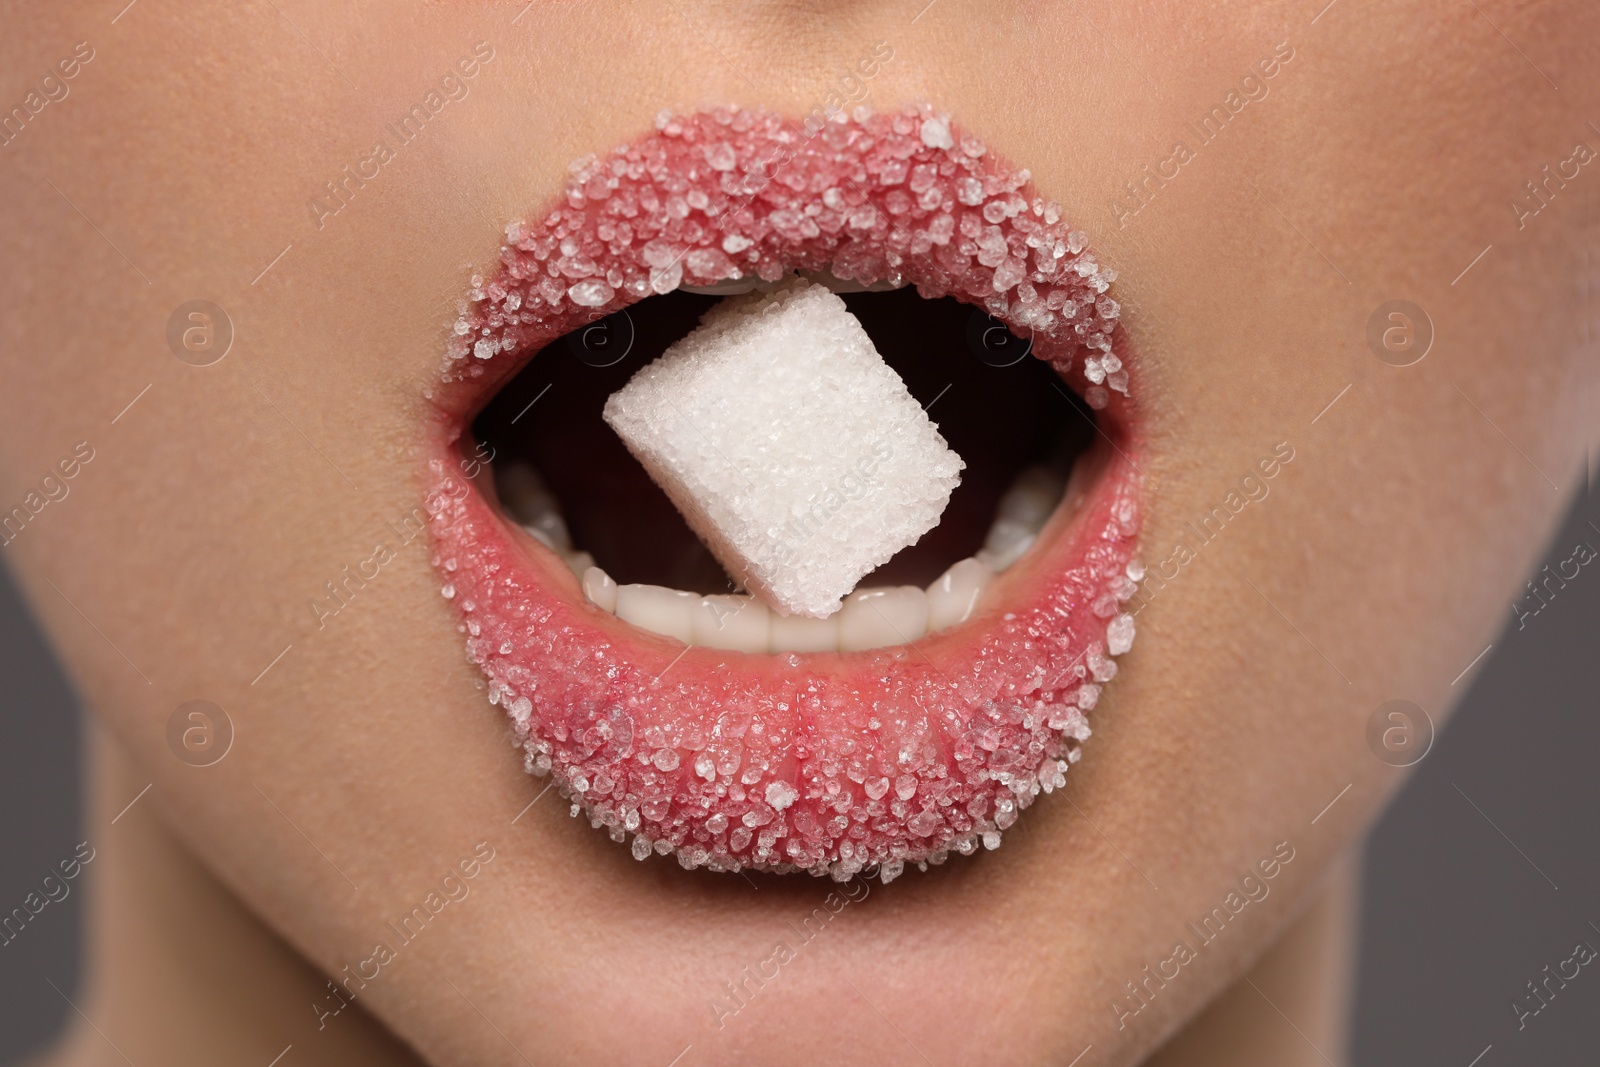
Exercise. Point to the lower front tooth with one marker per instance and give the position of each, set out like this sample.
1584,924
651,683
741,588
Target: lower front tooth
850,285
1008,539
669,612
736,623
550,529
528,501
601,590
953,597
1032,497
873,618
795,633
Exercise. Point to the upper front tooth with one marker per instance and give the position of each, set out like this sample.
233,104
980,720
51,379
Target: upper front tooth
873,618
953,597
738,623
726,287
745,283
850,285
669,612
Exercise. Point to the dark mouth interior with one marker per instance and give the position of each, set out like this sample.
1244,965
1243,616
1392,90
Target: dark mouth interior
999,409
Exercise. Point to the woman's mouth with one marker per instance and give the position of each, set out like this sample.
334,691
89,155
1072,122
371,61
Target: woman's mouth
953,686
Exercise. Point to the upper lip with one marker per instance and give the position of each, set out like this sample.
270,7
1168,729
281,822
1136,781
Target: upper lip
824,762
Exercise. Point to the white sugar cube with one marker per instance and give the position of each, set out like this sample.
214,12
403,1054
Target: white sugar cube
791,448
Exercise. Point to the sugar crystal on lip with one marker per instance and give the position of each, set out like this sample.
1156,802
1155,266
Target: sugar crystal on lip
791,448
1119,635
781,794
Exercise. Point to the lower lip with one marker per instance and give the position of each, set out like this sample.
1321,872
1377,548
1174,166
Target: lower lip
832,763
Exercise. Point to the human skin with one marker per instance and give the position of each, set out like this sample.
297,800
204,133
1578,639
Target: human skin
366,762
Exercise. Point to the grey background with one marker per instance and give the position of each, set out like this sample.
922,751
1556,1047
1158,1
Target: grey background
1463,906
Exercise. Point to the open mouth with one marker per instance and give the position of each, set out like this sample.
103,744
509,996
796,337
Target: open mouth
675,709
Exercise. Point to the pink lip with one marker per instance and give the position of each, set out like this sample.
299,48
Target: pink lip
829,763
